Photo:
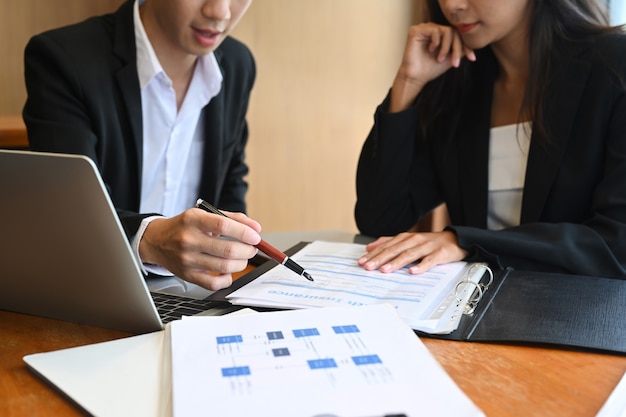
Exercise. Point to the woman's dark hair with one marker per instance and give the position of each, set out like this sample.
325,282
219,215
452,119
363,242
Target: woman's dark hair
551,22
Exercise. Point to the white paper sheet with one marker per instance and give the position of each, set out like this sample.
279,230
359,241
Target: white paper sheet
427,301
347,362
615,405
124,377
118,378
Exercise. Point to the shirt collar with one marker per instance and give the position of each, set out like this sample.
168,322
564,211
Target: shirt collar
148,64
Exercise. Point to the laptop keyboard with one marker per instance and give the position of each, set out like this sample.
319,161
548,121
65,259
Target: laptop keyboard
172,307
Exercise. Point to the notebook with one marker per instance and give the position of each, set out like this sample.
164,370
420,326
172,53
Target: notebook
63,252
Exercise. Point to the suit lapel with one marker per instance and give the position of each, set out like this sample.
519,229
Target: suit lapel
563,97
473,140
213,117
127,78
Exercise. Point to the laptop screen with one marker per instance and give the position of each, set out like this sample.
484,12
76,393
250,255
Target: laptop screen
63,253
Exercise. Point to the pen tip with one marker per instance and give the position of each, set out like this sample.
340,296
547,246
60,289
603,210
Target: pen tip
307,276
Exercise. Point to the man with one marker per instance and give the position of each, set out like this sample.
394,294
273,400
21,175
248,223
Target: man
156,94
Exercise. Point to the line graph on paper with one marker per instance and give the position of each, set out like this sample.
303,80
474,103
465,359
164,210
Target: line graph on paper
331,357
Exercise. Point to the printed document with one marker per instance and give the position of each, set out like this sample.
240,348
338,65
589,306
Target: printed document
615,405
346,362
432,302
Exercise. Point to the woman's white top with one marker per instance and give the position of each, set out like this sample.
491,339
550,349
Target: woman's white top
508,155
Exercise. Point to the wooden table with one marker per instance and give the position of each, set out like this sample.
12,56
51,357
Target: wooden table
13,132
501,380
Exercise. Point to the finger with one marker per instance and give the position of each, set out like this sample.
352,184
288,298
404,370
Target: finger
210,280
392,243
213,224
373,245
396,253
426,264
221,255
457,50
469,53
243,218
375,248
446,45
435,40
431,260
408,256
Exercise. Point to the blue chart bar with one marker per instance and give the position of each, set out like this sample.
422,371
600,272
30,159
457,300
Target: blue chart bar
280,352
352,328
236,371
229,339
306,332
322,363
275,335
366,360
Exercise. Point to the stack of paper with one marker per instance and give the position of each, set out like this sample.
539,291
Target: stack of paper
348,362
343,362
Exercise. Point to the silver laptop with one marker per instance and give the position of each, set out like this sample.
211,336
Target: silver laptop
63,252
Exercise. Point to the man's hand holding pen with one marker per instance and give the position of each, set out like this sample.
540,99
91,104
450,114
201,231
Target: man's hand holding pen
263,245
190,246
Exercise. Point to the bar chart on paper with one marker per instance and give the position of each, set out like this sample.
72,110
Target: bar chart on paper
350,361
332,356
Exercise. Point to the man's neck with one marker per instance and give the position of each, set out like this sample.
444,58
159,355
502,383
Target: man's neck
177,64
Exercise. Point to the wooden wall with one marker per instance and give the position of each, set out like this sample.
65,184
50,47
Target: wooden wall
19,20
323,66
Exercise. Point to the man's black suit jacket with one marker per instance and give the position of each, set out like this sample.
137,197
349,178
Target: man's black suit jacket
84,98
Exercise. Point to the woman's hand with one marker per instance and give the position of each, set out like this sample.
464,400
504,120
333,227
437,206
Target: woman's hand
430,51
388,254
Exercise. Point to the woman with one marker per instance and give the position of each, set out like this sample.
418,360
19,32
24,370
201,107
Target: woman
514,115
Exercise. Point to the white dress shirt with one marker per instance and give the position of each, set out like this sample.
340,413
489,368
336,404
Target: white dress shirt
172,139
508,155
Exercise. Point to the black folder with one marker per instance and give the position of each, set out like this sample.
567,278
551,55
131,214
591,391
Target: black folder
524,307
